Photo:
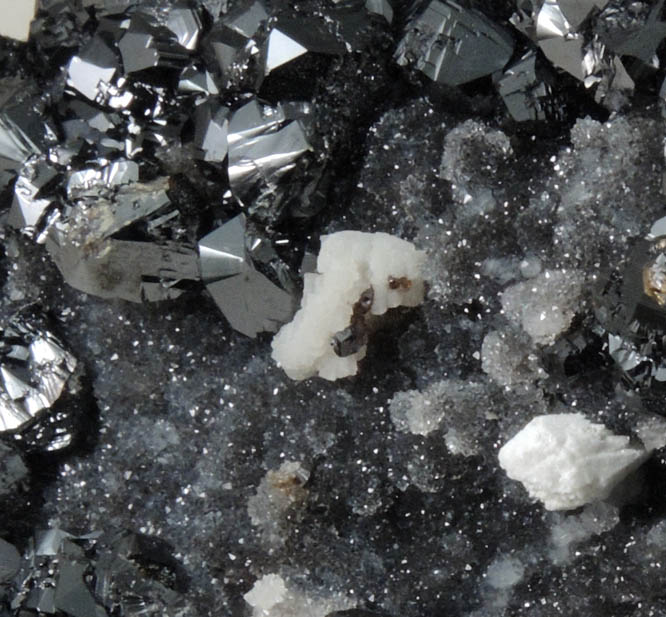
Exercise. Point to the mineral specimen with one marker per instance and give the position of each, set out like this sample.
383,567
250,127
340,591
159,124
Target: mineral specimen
12,471
566,461
271,597
349,264
176,149
248,299
16,18
35,367
545,305
454,45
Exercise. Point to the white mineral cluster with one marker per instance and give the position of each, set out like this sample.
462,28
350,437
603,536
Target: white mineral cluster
272,597
352,265
568,531
278,491
566,461
545,305
508,359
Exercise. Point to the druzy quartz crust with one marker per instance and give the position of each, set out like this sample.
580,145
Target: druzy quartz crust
332,308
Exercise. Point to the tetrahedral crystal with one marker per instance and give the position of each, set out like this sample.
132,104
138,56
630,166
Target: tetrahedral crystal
249,300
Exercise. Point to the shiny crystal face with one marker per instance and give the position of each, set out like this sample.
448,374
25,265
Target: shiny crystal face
34,369
654,280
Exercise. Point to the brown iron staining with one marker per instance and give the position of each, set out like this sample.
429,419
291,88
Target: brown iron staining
353,338
290,485
399,283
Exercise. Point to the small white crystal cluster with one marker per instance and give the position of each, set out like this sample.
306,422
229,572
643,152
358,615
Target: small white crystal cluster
349,263
566,461
418,412
276,493
271,597
545,305
570,530
450,404
508,359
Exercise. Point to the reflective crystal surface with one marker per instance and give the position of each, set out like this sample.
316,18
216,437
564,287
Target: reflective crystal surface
231,50
25,127
92,71
247,298
28,207
145,46
453,45
210,130
194,80
134,271
34,369
96,575
528,94
185,23
264,146
593,40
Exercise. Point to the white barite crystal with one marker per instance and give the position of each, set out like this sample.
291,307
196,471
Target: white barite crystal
271,597
349,263
16,18
545,305
566,461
